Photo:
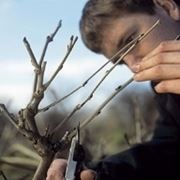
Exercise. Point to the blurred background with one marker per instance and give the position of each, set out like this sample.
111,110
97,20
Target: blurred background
127,120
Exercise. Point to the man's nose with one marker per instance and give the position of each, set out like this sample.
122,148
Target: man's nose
132,61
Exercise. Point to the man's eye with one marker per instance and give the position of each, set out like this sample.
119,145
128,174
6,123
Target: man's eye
129,39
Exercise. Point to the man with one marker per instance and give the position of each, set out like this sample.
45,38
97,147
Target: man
106,26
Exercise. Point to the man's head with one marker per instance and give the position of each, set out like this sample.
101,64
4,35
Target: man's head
106,25
98,13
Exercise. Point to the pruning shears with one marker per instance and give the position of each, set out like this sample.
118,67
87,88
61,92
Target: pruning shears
75,158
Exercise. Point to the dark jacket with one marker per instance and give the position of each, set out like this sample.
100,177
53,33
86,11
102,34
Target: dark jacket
158,158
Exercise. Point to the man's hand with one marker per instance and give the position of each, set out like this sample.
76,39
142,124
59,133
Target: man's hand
162,65
58,168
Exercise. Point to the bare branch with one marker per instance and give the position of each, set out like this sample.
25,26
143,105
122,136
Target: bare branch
69,49
66,118
31,54
7,115
18,123
58,101
48,40
32,108
98,111
29,115
37,66
34,63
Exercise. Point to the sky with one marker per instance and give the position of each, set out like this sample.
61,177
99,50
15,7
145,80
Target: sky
35,19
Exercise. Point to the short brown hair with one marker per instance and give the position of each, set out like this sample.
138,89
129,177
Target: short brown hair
97,13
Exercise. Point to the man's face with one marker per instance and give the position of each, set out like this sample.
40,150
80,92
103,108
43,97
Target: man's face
122,30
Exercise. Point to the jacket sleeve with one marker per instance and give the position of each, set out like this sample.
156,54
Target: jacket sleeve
158,158
168,123
154,159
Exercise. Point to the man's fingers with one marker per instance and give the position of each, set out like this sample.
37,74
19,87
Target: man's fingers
168,86
88,175
162,58
159,72
56,170
166,46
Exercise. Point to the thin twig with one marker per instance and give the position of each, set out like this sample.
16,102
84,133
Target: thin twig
66,119
34,63
99,109
48,40
31,54
69,49
5,112
58,101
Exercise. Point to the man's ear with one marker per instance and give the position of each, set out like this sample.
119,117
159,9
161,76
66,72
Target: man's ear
170,7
